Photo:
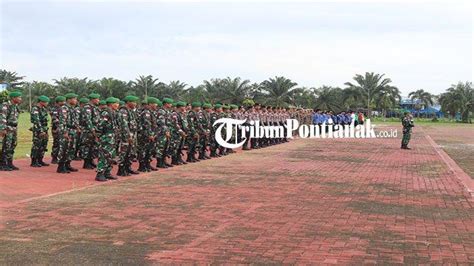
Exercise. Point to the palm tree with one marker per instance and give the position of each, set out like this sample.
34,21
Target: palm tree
387,98
329,98
12,79
175,89
458,98
304,97
279,91
421,97
352,98
82,87
234,90
145,85
108,87
369,85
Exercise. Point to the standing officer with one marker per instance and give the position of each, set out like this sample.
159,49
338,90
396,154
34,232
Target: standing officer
107,131
39,119
183,130
147,134
127,118
68,128
204,118
164,128
213,118
9,113
89,121
407,123
196,130
58,102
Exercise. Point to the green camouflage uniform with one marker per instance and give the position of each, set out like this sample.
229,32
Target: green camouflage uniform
175,130
162,126
204,121
184,126
196,131
128,134
407,124
77,141
89,121
54,113
212,142
68,123
107,128
9,113
39,119
147,130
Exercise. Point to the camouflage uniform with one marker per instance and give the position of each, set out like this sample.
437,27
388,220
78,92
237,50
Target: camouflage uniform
128,135
9,113
146,136
77,141
68,125
184,127
54,113
106,152
407,123
161,141
203,120
175,138
196,131
213,145
39,119
89,121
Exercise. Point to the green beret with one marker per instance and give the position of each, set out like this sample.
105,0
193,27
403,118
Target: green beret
225,107
112,100
102,102
233,106
84,100
217,105
131,98
94,96
207,105
60,99
180,104
70,96
168,100
159,103
196,104
152,100
43,98
14,94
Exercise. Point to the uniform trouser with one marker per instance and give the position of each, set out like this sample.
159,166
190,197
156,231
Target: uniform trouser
161,147
40,145
213,145
125,156
77,146
173,145
193,145
67,147
88,146
55,148
406,138
146,149
203,142
9,143
106,153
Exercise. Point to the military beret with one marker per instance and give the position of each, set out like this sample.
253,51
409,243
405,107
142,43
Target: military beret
152,100
70,96
196,104
168,100
225,107
206,105
180,104
130,98
102,102
60,99
112,100
94,96
217,105
84,100
233,106
159,103
14,94
43,98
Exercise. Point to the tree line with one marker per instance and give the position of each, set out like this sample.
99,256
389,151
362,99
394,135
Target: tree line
370,91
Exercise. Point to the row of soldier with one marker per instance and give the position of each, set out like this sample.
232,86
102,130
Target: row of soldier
120,132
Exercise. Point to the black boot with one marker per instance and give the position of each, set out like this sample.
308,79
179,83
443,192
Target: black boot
6,166
202,156
62,168
213,154
54,160
160,163
100,177
121,170
13,167
175,161
70,168
34,162
142,167
87,164
111,177
41,162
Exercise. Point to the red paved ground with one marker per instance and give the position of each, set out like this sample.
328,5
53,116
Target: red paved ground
308,201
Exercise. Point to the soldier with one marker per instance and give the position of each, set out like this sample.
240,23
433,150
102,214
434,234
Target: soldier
58,102
196,130
224,114
407,123
9,113
204,120
39,119
89,120
102,104
164,128
107,130
183,130
127,118
147,134
68,127
78,110
213,118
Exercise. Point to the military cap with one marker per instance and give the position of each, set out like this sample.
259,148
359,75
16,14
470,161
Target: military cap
233,106
130,98
84,100
196,104
206,105
14,94
112,100
159,103
70,96
59,99
168,100
152,100
102,102
225,107
43,98
94,96
180,104
217,105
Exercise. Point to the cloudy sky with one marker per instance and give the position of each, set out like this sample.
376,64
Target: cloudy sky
423,45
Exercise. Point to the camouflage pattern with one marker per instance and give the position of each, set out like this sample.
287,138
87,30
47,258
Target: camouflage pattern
89,120
407,123
128,124
9,114
39,121
107,140
146,135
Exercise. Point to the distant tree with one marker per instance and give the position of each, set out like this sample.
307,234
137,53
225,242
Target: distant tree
420,98
13,80
82,87
458,98
279,91
329,99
